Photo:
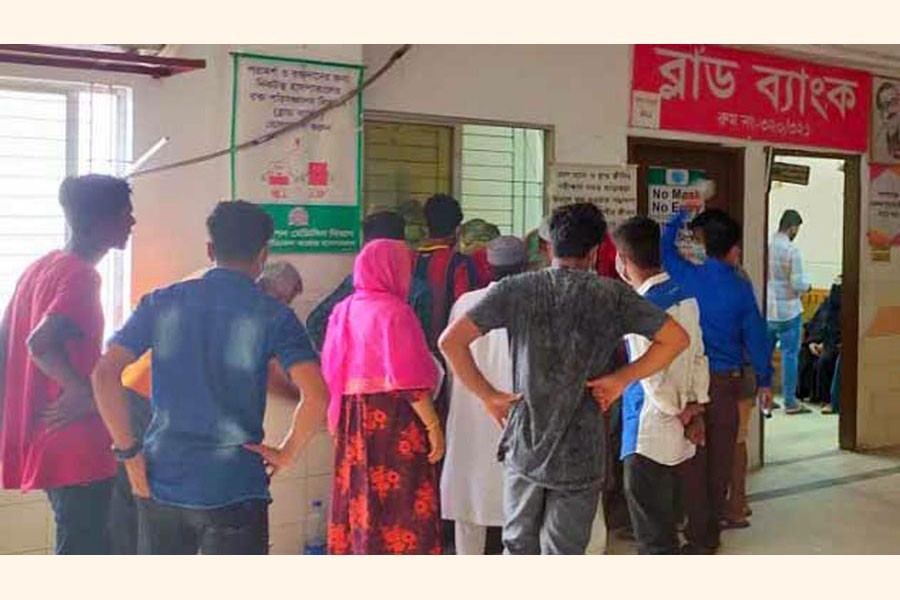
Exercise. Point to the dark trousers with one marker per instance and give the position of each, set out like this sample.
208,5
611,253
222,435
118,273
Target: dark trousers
241,528
806,372
650,492
824,375
705,477
615,507
81,513
122,516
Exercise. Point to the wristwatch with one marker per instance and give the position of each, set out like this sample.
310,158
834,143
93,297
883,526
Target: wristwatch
128,453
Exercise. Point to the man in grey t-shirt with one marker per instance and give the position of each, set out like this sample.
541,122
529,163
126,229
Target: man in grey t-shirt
564,324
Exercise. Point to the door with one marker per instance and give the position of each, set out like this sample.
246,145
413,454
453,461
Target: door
722,165
840,246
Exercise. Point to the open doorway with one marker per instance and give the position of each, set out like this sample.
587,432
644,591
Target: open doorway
813,210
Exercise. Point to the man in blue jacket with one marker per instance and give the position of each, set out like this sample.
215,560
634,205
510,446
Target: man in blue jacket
732,325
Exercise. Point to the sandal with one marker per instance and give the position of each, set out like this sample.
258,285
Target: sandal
828,411
800,410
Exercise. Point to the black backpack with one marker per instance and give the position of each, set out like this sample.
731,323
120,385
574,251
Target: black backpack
420,273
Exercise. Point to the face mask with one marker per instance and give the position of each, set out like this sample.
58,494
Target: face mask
696,253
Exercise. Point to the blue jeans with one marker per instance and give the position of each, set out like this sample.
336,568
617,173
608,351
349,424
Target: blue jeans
787,334
81,513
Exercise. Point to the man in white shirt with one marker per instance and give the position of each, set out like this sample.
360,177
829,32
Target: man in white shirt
784,313
472,477
662,414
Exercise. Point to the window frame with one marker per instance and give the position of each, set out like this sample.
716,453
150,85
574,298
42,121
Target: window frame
456,123
116,312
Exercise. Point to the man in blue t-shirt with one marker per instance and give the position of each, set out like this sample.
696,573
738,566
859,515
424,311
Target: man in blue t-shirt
200,472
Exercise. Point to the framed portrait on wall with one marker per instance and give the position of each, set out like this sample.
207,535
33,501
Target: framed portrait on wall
885,146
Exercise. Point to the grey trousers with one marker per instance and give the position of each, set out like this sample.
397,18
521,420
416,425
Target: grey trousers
541,520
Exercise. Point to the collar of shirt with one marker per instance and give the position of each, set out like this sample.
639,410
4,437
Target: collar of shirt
652,281
781,236
223,273
721,265
437,243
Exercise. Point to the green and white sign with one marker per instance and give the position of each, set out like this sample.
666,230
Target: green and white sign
311,228
667,189
307,179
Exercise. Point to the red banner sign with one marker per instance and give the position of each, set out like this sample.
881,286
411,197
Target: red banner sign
724,92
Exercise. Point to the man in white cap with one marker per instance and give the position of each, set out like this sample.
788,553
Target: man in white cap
472,478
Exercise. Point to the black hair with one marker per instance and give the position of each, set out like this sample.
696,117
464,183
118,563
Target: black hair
239,230
384,225
638,238
698,221
88,199
575,229
499,273
442,215
789,218
721,233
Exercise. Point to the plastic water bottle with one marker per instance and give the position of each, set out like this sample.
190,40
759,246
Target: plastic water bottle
316,538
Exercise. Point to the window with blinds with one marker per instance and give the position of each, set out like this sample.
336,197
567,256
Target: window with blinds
405,162
47,132
503,176
498,172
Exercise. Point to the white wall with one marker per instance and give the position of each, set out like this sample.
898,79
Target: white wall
821,205
194,110
577,89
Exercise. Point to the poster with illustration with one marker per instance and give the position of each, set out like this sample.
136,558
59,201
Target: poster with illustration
307,178
885,121
884,211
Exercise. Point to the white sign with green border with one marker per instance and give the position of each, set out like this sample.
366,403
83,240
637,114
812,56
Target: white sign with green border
308,179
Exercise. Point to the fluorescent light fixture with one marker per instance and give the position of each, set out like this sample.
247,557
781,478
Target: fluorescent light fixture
146,156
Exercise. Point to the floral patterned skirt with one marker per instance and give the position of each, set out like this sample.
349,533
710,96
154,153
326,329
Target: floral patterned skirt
384,498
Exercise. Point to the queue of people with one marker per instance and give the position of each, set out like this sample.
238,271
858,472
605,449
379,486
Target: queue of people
474,385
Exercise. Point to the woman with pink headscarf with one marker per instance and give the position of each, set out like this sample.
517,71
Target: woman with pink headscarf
387,434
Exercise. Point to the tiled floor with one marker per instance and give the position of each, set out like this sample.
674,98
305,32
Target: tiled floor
812,498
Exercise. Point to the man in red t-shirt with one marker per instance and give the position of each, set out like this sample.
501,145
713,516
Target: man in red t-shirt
51,437
443,216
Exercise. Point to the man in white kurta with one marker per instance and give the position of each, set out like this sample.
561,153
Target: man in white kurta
472,478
